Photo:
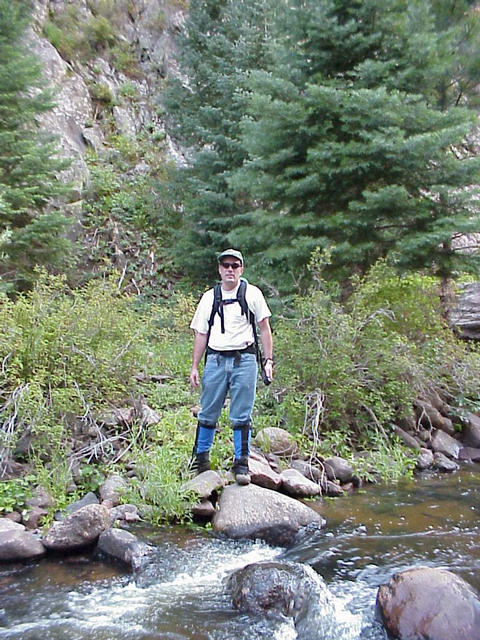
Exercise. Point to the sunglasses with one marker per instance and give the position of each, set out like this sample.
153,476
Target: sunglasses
233,265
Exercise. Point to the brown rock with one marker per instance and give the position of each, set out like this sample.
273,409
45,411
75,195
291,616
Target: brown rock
429,603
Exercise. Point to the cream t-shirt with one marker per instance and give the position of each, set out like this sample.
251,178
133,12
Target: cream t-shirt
238,330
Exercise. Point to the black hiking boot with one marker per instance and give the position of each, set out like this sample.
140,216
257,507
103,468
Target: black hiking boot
200,463
240,469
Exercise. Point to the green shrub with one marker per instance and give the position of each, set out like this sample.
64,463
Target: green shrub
347,371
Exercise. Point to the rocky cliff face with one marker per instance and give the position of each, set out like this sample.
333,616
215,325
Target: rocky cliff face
107,62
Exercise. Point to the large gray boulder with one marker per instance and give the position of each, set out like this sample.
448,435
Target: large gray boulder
79,529
275,589
254,512
429,604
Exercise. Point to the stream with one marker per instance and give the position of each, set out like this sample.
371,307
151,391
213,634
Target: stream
180,594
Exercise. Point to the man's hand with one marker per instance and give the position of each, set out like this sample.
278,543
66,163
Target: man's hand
268,368
194,377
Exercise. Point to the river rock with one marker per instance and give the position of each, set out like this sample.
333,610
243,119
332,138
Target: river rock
204,510
407,439
469,453
278,588
18,544
429,603
6,524
277,441
255,512
309,470
444,464
443,443
297,485
79,529
338,469
263,475
124,513
424,459
113,490
124,546
471,431
40,498
88,498
430,417
34,517
205,484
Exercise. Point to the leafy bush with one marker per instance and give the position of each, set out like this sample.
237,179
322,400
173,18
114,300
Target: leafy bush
348,371
67,353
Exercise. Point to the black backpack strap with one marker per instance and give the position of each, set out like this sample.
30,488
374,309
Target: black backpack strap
216,306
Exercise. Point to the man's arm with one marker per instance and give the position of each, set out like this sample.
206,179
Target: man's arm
199,345
267,346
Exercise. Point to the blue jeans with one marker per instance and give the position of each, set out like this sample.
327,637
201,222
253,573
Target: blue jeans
222,376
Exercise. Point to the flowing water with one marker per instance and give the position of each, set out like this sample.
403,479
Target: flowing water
181,593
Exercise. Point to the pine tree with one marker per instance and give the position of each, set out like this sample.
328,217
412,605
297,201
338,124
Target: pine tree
31,228
351,145
223,40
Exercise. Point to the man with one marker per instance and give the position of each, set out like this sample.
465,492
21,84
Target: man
231,363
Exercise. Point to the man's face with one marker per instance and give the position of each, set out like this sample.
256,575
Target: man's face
230,270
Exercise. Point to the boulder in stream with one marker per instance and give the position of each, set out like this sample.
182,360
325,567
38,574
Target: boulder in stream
429,603
258,513
124,546
273,588
79,529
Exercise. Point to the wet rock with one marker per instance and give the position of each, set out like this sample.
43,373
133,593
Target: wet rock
254,512
263,475
471,431
277,441
425,459
275,588
443,443
469,453
124,546
297,485
429,603
79,529
338,469
113,489
444,464
205,484
18,544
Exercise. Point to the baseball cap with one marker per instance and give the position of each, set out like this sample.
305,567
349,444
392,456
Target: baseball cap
231,252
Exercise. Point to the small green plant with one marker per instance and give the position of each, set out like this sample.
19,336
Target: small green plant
14,494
